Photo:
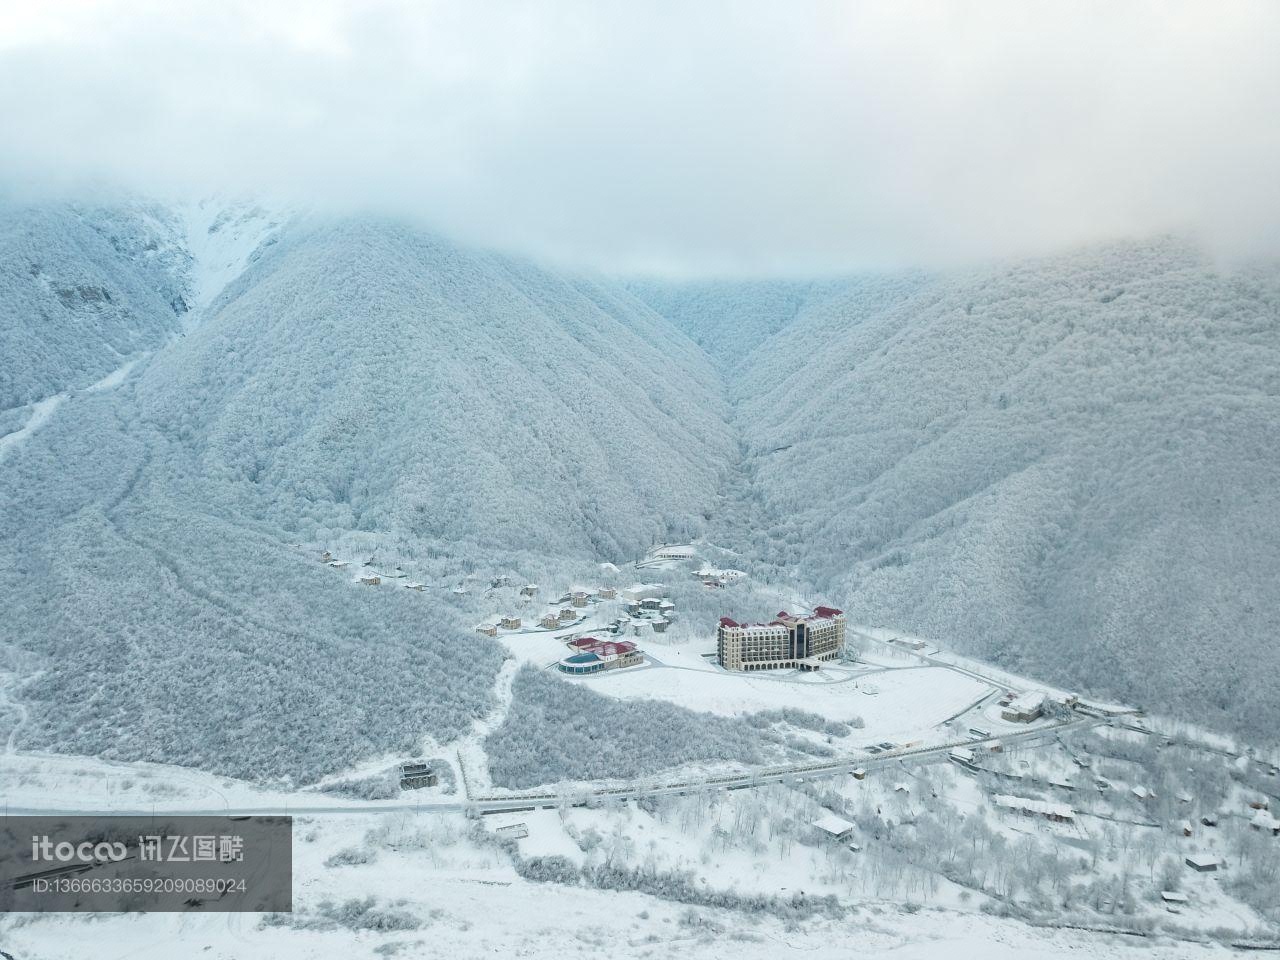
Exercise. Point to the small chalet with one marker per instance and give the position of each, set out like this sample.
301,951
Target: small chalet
837,828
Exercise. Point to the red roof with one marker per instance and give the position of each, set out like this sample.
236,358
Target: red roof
603,648
785,619
606,649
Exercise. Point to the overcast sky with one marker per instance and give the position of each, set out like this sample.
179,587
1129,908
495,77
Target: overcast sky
696,137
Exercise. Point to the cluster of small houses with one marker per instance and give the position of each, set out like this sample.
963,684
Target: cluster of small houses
645,606
714,579
1262,819
370,577
840,830
574,601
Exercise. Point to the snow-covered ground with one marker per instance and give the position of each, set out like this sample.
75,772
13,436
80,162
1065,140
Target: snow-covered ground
903,704
440,889
42,411
439,892
442,886
222,238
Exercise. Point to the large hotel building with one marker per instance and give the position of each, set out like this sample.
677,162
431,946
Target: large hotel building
804,643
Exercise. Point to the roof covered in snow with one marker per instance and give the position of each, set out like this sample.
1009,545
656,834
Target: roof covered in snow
836,826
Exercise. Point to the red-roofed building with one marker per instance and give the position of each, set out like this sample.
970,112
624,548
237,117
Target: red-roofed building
591,655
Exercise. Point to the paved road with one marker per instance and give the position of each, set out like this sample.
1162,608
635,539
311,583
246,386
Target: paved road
917,756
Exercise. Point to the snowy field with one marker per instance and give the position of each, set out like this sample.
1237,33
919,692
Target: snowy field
66,783
543,647
440,893
903,703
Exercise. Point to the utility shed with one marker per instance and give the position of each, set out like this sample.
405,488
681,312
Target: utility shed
837,828
1203,862
1264,821
964,757
415,775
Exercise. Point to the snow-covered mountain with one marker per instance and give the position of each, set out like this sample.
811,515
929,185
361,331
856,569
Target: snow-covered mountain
221,238
87,287
1069,465
1066,465
356,379
83,289
364,375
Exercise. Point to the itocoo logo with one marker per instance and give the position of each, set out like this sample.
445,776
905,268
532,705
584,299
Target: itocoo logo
42,848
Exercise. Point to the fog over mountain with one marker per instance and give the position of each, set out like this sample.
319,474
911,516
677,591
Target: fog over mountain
732,138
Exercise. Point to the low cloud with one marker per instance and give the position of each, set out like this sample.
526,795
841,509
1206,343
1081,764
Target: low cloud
743,138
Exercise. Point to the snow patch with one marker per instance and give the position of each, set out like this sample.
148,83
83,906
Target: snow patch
40,414
222,239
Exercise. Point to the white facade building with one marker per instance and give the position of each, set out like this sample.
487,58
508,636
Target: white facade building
803,643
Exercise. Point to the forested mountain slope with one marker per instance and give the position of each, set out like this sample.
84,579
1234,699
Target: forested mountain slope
367,376
1070,465
357,376
83,289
